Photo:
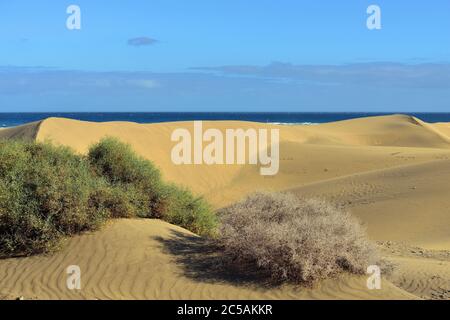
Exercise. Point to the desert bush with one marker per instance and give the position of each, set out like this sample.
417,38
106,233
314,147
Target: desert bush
143,193
48,192
188,211
115,201
44,195
133,175
292,239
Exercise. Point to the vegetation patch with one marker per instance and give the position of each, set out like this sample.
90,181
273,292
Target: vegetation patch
49,192
294,240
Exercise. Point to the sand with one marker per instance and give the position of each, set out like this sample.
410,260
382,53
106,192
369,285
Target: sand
142,259
307,153
392,172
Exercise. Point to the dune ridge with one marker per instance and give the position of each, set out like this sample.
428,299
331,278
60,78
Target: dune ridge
390,171
356,145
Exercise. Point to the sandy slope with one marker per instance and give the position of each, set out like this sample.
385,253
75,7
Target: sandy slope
151,259
425,273
409,203
27,131
307,153
393,172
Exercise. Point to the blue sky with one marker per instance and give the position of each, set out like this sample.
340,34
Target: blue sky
231,55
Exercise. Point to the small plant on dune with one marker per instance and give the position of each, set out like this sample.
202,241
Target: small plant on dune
45,193
292,239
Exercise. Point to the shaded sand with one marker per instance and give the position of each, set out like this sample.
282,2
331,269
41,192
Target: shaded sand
27,131
392,172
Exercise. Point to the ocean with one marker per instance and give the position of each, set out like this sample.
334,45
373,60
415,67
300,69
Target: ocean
305,118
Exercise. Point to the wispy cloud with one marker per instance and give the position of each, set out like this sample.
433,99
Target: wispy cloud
141,41
275,87
380,74
43,80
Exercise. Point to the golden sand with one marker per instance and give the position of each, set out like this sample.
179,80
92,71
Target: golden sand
393,172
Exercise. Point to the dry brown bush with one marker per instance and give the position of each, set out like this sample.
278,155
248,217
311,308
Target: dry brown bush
292,239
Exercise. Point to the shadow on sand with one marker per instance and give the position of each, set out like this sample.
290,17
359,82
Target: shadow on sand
202,260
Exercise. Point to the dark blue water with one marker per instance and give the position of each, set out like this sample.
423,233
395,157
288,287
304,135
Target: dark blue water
14,119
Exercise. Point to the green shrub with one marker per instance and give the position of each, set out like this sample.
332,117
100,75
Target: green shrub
292,239
44,195
115,201
138,177
48,192
144,193
190,212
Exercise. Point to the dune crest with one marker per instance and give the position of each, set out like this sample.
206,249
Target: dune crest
307,153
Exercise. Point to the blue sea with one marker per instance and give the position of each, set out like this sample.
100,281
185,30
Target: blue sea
15,119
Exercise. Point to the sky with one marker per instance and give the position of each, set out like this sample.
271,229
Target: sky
225,55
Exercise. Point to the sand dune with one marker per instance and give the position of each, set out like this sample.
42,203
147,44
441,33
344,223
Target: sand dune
307,153
395,130
392,172
151,259
426,278
424,273
409,203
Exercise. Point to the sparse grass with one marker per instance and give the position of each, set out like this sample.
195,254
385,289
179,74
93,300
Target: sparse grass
294,240
48,192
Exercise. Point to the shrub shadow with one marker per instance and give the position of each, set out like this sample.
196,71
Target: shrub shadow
203,261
